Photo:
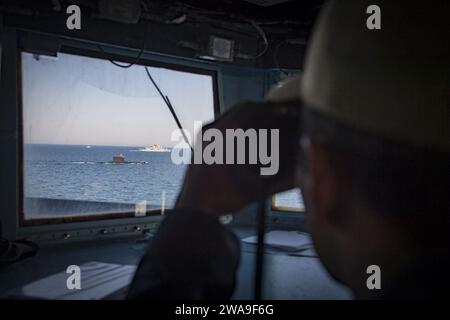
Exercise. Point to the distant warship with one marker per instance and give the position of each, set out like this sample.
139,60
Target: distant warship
155,148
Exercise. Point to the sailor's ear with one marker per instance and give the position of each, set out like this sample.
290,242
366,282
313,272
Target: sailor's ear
323,181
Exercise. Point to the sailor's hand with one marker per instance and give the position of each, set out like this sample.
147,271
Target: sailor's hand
217,189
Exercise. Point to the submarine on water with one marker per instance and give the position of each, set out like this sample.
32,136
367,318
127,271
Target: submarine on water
120,159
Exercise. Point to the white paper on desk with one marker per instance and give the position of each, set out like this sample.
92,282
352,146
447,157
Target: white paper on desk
286,240
98,280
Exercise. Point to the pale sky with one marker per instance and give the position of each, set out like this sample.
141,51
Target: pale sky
87,101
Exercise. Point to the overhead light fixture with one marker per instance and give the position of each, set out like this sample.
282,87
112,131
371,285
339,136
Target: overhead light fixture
220,49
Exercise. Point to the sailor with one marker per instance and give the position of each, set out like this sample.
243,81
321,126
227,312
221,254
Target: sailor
373,165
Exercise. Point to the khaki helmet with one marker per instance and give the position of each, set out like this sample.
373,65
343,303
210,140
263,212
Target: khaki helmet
393,81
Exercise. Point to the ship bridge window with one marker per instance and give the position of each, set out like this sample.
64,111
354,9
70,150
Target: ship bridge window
97,138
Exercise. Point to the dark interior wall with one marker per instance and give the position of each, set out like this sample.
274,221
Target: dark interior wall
240,84
189,39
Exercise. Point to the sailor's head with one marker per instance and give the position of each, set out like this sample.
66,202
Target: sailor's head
376,135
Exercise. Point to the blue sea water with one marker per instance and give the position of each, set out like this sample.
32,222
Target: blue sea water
82,173
74,172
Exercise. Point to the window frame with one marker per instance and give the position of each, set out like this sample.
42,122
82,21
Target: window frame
23,222
14,224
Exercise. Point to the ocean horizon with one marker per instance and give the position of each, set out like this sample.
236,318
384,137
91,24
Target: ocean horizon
75,172
86,173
